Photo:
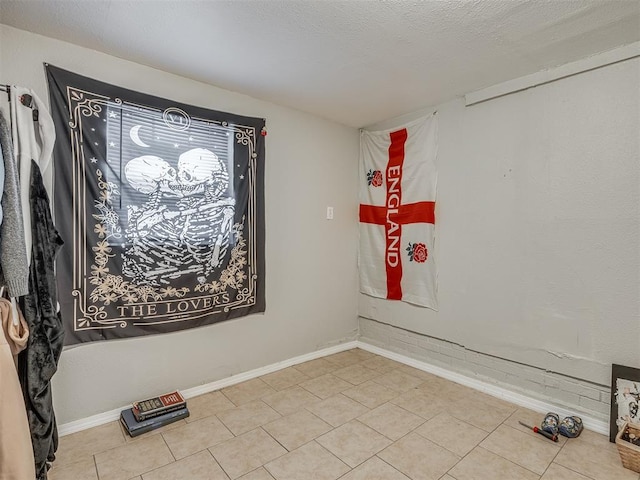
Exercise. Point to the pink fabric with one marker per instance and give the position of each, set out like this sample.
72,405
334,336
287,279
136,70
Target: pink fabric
16,451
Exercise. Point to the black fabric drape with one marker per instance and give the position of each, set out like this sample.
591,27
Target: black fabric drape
161,205
38,363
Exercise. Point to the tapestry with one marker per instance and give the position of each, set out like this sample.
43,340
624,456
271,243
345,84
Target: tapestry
160,205
397,213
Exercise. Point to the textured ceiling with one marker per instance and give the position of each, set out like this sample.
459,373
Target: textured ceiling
352,61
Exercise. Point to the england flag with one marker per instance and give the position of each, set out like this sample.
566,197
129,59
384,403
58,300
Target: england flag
397,213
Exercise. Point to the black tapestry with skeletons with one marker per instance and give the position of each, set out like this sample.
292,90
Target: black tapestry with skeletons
161,208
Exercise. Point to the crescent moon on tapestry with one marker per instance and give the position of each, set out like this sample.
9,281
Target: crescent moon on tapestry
134,133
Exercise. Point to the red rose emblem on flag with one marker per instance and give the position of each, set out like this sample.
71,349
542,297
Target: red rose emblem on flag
374,178
420,252
377,179
417,252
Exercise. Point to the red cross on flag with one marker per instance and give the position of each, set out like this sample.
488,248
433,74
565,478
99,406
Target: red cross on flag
397,213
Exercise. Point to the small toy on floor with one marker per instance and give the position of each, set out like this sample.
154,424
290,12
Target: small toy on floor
550,423
570,427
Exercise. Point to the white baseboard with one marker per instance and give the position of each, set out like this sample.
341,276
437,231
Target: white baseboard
112,415
519,399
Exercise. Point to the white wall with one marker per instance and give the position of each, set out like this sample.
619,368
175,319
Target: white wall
311,269
538,226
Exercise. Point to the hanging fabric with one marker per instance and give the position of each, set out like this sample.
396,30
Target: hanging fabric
39,361
397,213
33,135
1,178
16,452
166,231
14,264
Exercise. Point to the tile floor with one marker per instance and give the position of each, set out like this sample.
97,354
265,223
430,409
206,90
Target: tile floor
348,416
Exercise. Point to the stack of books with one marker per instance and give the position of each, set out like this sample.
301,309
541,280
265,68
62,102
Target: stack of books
154,413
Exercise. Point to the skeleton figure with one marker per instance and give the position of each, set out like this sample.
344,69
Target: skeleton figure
200,171
150,175
185,225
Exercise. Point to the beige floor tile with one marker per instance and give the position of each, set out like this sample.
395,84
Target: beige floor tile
594,456
284,378
558,472
371,394
88,442
592,438
344,359
290,400
453,434
248,391
425,405
297,429
356,374
398,380
353,442
325,385
419,458
196,436
481,464
381,364
444,388
392,421
309,462
259,474
338,409
532,453
247,417
530,418
363,354
84,469
316,368
374,469
433,423
206,405
200,466
421,374
480,414
136,458
247,452
485,398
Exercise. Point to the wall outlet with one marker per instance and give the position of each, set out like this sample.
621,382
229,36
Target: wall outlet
329,213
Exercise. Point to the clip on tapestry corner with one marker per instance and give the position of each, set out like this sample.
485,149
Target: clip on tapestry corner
26,100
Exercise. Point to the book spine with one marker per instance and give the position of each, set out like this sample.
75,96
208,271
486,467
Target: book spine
156,413
179,415
160,404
